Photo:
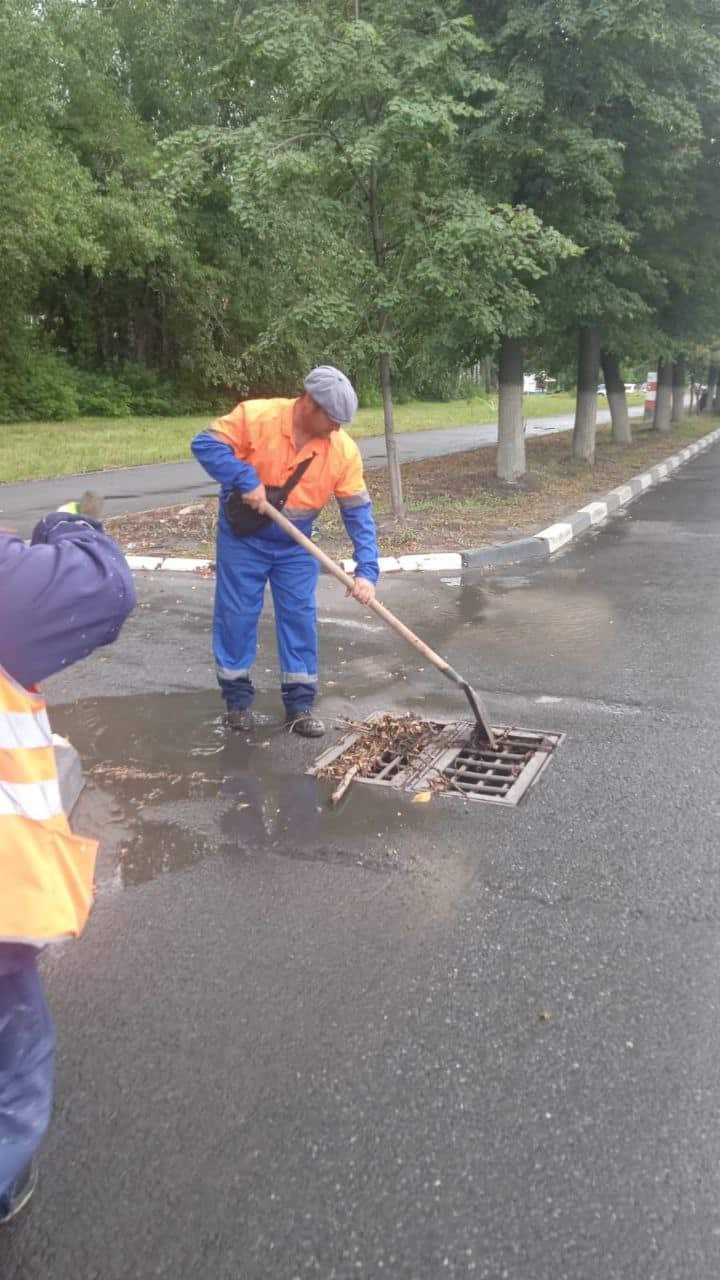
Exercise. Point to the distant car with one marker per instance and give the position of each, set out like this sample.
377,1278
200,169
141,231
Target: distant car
630,386
601,389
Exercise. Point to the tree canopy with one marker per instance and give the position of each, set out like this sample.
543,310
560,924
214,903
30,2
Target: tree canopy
200,199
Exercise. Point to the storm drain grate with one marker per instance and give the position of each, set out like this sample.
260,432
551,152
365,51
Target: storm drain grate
455,764
387,768
502,775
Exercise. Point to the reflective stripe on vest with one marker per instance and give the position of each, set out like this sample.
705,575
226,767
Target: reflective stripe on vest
35,800
46,872
17,729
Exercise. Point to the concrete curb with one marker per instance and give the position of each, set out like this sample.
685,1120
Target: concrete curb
548,541
446,561
540,547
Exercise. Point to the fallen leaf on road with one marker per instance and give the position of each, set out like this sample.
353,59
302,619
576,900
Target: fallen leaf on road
423,797
402,736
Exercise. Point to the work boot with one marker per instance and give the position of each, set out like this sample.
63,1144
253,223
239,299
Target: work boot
17,1196
305,724
240,719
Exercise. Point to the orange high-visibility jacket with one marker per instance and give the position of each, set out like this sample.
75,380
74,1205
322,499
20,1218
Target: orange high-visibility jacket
260,434
46,872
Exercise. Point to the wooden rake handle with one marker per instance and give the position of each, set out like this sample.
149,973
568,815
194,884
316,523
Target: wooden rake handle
387,616
382,612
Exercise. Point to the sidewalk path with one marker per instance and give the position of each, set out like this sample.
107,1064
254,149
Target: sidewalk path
129,489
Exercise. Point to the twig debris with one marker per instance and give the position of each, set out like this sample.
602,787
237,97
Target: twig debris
386,736
342,787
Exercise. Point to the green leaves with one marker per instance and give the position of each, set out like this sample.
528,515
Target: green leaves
353,163
231,190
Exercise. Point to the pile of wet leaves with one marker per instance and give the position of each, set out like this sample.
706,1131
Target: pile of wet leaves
388,735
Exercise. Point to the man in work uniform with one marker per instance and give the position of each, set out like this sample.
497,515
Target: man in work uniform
297,447
63,596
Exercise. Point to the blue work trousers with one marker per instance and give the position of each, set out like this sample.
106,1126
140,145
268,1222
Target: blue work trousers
27,1054
244,567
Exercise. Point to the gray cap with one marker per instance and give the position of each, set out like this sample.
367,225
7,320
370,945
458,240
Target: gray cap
333,392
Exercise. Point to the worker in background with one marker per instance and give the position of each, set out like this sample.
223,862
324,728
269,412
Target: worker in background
60,598
294,454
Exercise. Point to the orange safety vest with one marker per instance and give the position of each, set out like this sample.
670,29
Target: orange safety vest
260,432
46,872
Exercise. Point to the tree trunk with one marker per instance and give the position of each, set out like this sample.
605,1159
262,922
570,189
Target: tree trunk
510,463
710,389
663,401
394,476
586,403
617,401
678,391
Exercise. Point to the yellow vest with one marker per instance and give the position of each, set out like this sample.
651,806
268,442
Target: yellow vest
46,872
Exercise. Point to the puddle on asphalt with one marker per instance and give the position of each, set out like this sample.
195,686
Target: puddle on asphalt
521,612
182,788
177,787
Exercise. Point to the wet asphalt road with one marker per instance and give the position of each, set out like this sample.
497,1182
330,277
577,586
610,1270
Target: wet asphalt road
296,1043
144,488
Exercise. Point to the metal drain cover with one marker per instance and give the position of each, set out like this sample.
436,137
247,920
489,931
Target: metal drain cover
455,764
500,776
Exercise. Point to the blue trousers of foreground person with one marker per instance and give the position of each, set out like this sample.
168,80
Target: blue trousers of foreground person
27,1052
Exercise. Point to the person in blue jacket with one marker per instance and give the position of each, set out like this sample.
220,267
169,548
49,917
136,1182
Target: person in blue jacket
292,453
61,597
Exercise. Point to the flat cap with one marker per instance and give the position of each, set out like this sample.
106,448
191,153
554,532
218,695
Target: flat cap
333,392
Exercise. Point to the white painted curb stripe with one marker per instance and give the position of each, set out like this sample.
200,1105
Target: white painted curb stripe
437,560
597,511
440,560
176,564
443,561
554,535
180,565
144,562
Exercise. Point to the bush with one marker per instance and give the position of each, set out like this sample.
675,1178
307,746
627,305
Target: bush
369,397
38,387
469,389
41,386
102,397
159,394
151,393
